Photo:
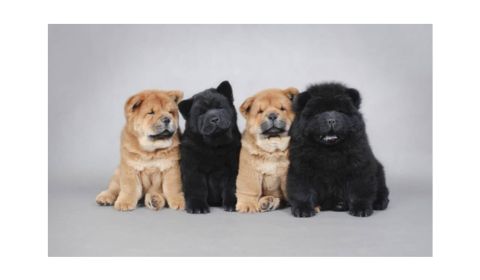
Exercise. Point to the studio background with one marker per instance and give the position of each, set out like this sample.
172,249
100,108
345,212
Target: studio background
93,69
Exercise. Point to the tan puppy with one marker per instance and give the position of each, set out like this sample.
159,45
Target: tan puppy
262,174
150,154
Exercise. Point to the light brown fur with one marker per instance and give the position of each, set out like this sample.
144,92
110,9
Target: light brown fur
147,168
261,180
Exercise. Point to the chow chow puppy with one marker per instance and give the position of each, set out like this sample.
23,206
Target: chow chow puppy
262,175
149,165
210,149
331,162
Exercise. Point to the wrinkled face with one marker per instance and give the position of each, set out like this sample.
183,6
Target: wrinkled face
269,113
213,114
153,117
329,121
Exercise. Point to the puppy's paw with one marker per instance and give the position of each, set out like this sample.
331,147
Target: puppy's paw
177,202
268,203
125,205
105,198
229,207
154,201
303,211
197,206
381,204
229,203
247,207
361,212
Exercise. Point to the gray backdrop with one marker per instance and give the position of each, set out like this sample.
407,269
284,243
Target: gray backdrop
93,69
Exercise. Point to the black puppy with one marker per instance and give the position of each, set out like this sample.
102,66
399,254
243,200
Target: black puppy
210,149
331,163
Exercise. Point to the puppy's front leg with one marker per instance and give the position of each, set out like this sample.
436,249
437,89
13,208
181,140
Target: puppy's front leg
194,185
361,194
249,188
229,200
172,188
130,189
300,195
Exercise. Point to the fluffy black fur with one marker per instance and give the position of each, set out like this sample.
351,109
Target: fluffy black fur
210,150
331,162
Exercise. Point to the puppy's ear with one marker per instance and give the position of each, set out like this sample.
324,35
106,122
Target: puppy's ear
185,106
176,95
133,104
291,92
246,105
355,96
225,89
300,100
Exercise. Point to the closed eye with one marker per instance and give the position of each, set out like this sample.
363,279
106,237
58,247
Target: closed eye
260,111
282,108
151,112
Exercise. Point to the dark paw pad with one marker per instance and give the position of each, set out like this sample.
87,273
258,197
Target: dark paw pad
156,203
303,211
267,204
197,207
381,204
361,212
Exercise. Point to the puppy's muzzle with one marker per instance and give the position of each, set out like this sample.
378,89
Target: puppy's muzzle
328,127
214,121
163,129
273,125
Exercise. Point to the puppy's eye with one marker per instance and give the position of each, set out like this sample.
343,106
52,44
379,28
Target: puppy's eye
151,112
172,112
282,108
260,111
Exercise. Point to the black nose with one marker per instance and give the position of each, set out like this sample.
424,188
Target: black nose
331,122
272,116
214,120
166,120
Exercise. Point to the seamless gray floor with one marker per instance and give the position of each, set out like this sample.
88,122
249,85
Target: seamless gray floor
93,69
82,228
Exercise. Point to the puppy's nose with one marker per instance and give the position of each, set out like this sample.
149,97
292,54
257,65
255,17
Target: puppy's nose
331,122
166,120
272,116
214,120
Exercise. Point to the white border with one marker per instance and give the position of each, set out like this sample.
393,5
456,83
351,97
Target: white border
23,64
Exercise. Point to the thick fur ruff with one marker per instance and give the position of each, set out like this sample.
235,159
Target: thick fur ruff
210,150
331,163
262,177
149,166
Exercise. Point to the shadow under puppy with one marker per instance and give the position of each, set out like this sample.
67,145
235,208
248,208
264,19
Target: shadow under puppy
331,162
149,165
210,149
262,175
